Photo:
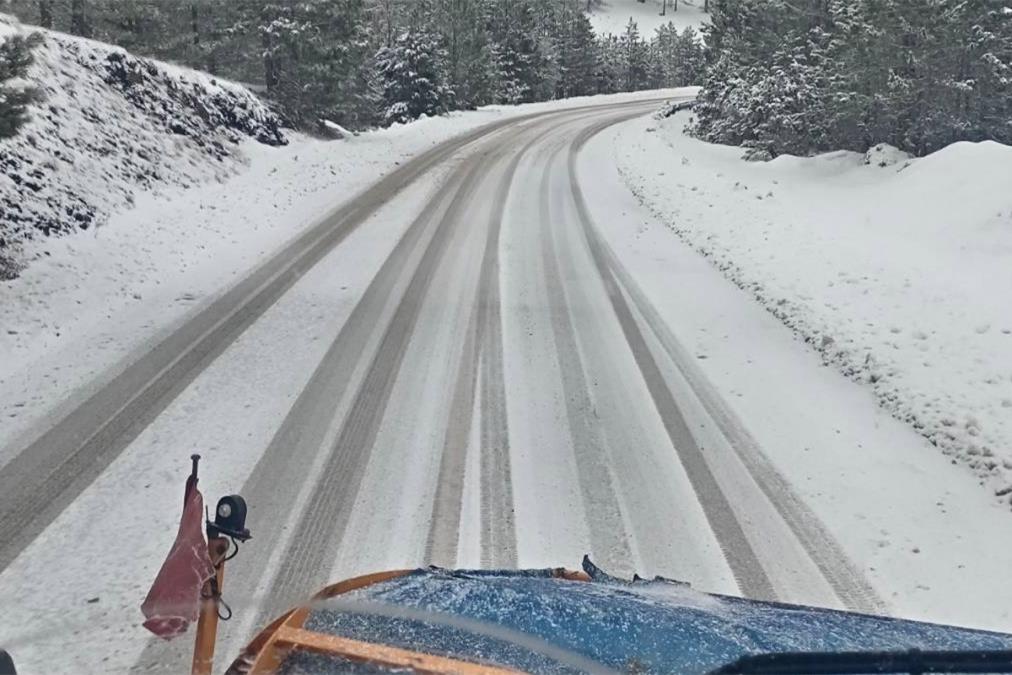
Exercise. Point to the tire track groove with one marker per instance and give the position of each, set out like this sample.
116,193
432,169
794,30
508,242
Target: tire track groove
608,538
476,377
498,527
748,572
844,578
325,519
50,471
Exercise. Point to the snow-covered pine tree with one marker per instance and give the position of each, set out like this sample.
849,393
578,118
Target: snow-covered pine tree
809,75
413,77
460,26
578,55
608,76
516,48
360,95
688,57
635,54
15,96
664,47
986,62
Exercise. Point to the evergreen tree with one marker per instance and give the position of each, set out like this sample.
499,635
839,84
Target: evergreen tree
518,60
664,54
413,77
324,59
688,55
578,56
15,57
635,54
809,76
609,65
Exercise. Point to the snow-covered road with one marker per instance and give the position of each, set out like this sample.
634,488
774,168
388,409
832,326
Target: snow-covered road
458,367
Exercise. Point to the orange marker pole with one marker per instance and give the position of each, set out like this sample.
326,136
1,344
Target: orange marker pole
207,623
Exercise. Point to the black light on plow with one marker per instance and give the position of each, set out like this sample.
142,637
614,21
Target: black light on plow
6,664
229,519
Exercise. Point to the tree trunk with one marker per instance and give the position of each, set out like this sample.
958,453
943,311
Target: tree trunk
46,13
270,68
195,23
78,20
664,7
706,5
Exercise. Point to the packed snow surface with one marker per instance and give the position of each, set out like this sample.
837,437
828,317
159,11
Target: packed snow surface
612,16
161,253
897,270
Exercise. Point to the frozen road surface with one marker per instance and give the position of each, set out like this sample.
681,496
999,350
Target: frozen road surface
454,368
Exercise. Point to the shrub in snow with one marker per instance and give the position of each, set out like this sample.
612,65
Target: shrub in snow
109,124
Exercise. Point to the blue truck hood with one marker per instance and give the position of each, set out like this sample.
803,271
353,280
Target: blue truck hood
526,619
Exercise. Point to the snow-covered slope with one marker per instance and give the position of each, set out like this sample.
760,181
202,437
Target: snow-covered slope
612,16
109,125
898,271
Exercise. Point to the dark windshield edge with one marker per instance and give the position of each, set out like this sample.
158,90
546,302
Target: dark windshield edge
843,663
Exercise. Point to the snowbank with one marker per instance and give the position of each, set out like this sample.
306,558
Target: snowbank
111,125
898,271
612,16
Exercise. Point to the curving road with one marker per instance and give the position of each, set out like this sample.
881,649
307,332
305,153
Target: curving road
501,394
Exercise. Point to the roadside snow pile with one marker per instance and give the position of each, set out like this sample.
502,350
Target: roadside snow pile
110,124
898,270
883,155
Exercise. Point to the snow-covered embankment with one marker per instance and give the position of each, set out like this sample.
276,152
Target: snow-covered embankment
108,125
897,270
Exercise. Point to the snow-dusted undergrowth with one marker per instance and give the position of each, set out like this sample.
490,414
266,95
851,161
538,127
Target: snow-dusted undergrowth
110,124
898,271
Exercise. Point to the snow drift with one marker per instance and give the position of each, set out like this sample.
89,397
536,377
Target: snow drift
110,124
896,270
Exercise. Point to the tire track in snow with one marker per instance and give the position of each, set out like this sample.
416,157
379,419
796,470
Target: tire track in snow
608,538
444,531
483,341
48,473
845,579
442,542
498,529
322,524
752,579
284,471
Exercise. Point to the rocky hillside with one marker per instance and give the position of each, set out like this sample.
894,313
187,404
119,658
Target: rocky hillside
108,125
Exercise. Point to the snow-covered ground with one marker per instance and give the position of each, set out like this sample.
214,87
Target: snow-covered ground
921,530
898,271
612,16
895,270
109,125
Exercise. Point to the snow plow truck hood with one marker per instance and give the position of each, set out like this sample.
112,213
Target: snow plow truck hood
559,621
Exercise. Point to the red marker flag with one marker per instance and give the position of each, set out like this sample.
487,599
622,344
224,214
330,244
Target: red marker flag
173,602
